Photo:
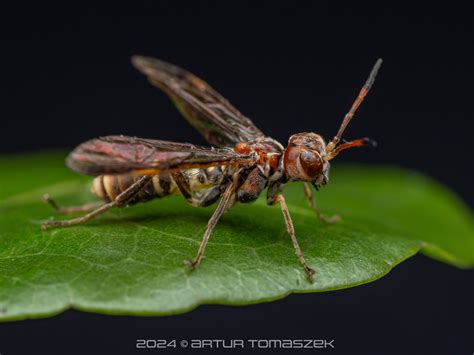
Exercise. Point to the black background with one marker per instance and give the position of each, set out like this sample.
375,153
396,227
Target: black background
65,76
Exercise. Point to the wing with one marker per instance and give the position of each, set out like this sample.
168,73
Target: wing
120,154
212,115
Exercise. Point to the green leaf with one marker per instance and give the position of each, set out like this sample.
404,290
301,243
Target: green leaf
130,260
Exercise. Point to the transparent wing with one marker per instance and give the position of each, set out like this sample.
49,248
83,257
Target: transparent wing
213,116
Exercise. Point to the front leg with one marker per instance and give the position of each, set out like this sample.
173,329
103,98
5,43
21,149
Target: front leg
291,231
312,203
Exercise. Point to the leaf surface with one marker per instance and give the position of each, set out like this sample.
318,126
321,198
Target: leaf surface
130,260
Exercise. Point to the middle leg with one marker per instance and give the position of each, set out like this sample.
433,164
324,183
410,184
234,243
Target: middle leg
224,204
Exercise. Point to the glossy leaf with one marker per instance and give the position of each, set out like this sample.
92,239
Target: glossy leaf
130,260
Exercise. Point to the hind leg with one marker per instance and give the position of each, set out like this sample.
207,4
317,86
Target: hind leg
71,209
120,200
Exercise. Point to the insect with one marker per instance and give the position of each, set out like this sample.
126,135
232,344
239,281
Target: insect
241,163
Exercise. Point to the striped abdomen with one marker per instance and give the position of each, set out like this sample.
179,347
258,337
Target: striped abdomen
191,183
108,187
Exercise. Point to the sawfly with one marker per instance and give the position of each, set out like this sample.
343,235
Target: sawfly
238,166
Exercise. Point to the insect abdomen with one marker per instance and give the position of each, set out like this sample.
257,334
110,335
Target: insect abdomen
108,187
192,182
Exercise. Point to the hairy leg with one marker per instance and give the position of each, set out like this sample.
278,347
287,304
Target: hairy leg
291,231
312,203
120,200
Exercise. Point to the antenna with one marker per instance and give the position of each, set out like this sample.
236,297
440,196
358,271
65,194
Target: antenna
362,94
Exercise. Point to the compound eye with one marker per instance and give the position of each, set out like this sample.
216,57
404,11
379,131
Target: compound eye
311,163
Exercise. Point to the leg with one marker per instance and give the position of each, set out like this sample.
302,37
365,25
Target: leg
291,231
224,204
71,209
208,198
312,203
120,200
